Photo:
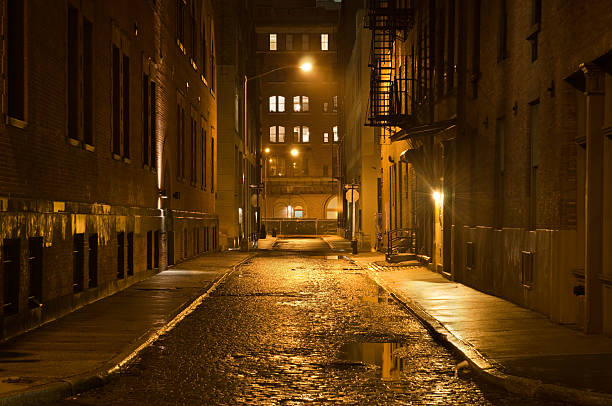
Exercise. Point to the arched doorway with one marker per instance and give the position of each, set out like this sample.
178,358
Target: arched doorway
331,208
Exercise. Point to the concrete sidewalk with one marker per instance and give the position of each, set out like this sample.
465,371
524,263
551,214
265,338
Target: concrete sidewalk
80,350
506,344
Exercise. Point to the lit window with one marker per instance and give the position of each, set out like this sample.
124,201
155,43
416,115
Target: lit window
281,133
289,42
281,104
272,103
272,42
336,139
301,104
301,134
273,134
276,104
335,102
324,42
325,107
325,137
277,134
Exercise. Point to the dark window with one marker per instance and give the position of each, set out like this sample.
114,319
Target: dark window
534,135
180,21
179,129
126,106
379,195
156,250
93,260
149,249
170,247
533,41
193,152
16,59
502,39
146,136
206,239
536,16
450,55
214,236
88,79
204,50
116,101
73,73
184,243
153,124
11,264
120,255
78,262
203,144
212,165
35,264
130,254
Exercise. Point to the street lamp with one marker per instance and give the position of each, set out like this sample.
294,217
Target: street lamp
305,66
295,152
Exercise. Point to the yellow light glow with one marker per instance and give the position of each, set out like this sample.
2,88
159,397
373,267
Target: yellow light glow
306,66
437,196
267,150
295,152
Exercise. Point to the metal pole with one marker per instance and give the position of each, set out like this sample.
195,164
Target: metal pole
244,245
353,203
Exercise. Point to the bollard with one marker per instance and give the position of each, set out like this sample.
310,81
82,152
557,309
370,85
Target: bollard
354,246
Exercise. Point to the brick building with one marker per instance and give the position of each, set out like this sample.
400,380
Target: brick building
238,166
107,146
494,123
299,109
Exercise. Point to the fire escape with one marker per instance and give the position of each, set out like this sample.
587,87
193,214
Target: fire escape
391,96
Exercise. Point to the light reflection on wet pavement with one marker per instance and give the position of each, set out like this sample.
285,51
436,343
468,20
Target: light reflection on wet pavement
290,330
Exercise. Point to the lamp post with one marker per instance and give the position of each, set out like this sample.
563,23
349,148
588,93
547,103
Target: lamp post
306,67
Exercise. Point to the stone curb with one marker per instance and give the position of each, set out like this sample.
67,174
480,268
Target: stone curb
62,389
486,369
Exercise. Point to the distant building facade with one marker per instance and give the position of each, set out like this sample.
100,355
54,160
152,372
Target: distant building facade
494,122
108,144
299,111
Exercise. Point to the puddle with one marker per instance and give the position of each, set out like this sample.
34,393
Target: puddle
389,357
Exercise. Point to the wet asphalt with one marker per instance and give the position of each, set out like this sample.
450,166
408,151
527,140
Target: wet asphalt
297,325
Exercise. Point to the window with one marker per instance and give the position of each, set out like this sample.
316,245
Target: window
180,22
73,73
336,138
153,113
80,77
121,102
324,42
300,104
502,36
212,165
16,59
277,104
305,42
277,134
78,262
11,261
289,42
93,261
35,263
325,107
326,137
203,144
534,133
204,50
276,166
273,42
194,148
180,142
120,255
130,254
301,134
335,103
146,119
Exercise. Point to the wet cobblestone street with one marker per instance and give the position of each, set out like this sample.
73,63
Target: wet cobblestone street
288,328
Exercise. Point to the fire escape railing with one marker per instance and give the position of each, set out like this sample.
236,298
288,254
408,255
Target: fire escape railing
391,95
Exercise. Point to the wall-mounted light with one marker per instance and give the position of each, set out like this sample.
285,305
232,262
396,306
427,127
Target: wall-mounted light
437,196
295,152
135,28
267,150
